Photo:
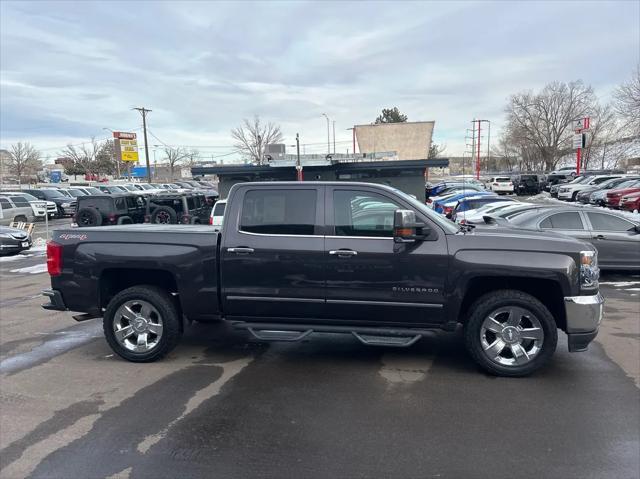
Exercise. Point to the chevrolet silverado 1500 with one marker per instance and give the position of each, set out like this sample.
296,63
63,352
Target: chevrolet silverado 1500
298,258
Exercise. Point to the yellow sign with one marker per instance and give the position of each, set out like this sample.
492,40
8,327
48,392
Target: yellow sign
128,150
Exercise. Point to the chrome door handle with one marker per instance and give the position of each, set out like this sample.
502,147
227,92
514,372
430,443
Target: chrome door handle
240,250
343,252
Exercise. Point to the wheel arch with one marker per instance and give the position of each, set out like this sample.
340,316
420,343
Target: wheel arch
547,291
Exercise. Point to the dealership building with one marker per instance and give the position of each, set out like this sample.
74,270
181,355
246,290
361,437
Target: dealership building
406,175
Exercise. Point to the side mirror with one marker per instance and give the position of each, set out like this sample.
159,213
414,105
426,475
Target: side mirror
636,228
405,227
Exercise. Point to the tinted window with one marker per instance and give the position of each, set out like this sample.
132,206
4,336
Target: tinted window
52,194
93,191
358,213
5,204
218,209
565,221
101,204
77,192
19,201
603,222
287,212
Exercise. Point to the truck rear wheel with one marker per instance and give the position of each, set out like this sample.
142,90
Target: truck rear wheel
141,324
510,333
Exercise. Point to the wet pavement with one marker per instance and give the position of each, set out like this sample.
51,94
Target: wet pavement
224,405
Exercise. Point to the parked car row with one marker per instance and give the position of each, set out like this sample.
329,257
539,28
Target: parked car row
616,237
613,191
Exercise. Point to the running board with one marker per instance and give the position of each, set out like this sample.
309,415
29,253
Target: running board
396,341
371,336
277,335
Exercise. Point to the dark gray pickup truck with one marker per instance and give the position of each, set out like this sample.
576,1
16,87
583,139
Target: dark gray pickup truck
294,259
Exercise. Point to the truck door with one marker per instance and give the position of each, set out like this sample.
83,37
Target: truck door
272,256
370,280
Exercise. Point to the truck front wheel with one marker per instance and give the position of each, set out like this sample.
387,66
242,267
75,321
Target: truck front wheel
141,324
510,333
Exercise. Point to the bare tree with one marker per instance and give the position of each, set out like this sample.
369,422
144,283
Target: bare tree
24,159
436,150
627,103
540,123
173,157
192,157
84,156
253,137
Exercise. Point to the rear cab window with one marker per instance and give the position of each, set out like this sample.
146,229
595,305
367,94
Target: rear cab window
279,212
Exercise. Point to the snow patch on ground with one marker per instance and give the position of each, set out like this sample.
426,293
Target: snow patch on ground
38,268
546,198
620,284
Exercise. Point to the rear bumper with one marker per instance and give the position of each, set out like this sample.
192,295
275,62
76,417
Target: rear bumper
584,315
56,303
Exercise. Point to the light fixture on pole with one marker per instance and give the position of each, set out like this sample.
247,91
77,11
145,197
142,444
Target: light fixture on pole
328,134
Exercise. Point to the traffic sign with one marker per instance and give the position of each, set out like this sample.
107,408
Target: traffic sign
579,140
581,124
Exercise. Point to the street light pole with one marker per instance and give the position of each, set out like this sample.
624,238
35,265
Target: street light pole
298,163
334,137
328,135
113,153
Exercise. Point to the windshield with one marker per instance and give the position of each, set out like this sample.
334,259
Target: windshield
52,194
75,192
443,222
93,191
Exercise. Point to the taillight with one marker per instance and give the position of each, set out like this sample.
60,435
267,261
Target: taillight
54,258
447,210
210,220
429,201
112,218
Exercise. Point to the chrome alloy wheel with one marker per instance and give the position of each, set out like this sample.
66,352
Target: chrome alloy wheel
511,336
137,326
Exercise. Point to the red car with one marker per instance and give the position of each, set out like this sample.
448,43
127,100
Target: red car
630,201
613,196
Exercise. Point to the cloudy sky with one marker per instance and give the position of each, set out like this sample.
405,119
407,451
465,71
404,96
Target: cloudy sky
70,69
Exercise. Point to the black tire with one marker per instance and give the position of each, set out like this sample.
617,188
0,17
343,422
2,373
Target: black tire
164,215
168,314
88,217
195,221
125,220
574,196
60,213
490,303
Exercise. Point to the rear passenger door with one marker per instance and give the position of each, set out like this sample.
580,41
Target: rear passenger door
273,253
617,242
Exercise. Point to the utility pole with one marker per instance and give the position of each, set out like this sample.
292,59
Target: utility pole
143,111
298,164
328,135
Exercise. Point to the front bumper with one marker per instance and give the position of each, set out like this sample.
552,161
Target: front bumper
14,244
584,315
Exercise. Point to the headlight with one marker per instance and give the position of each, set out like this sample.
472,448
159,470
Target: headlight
589,271
66,205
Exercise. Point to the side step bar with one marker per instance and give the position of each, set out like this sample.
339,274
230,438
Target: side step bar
370,336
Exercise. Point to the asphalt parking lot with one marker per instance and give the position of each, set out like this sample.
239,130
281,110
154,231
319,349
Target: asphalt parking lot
224,405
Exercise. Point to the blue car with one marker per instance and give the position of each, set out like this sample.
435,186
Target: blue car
438,206
475,202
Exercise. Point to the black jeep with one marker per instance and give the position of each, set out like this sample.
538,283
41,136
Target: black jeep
117,209
528,184
172,208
